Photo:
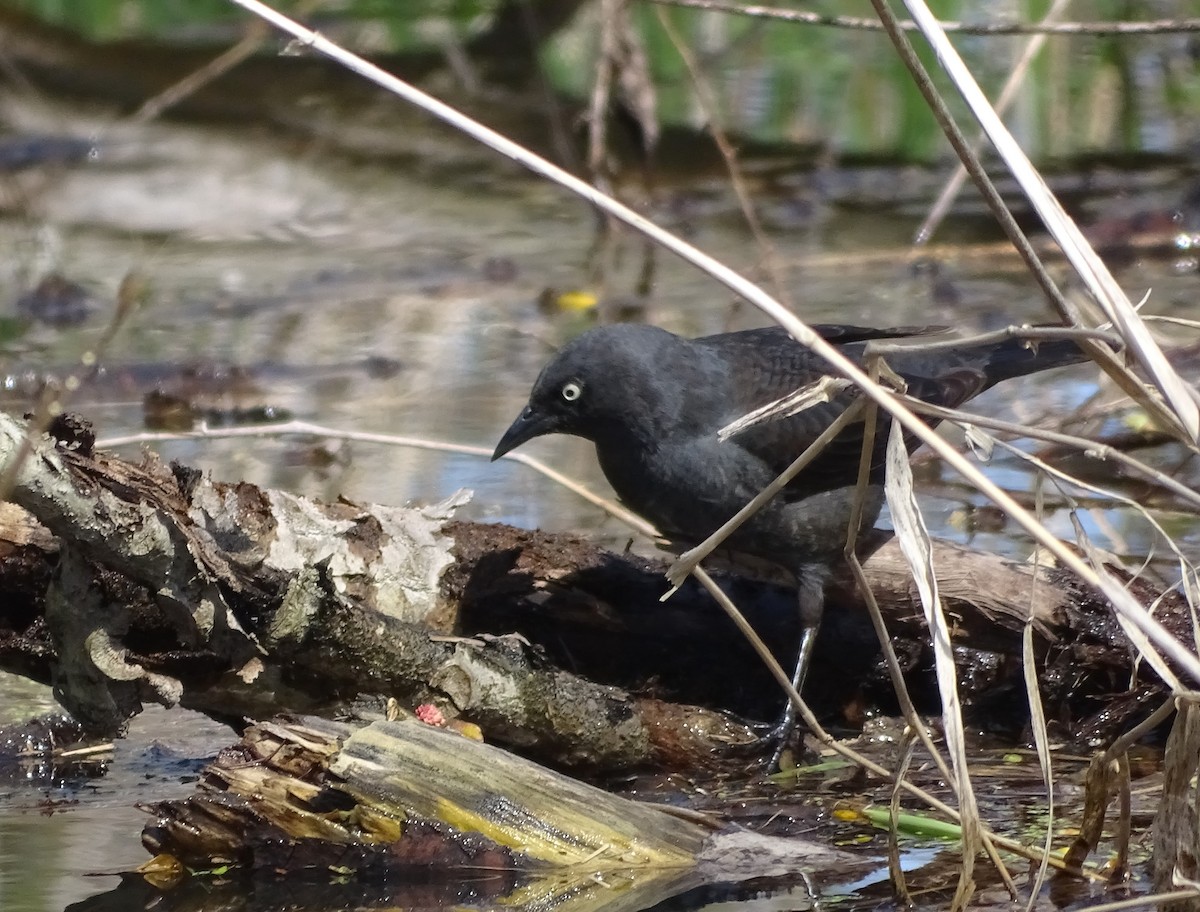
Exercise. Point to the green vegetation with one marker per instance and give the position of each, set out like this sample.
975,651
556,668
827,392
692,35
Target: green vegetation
777,82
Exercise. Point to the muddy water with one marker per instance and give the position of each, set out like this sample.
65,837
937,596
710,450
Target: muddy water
402,298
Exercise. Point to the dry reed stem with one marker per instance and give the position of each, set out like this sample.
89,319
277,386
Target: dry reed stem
917,547
1090,268
1008,94
769,257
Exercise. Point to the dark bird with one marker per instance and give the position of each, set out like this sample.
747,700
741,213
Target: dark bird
653,402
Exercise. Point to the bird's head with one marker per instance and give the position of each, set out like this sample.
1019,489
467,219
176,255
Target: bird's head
600,386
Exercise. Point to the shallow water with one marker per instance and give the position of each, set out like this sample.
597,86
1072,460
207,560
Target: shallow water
301,266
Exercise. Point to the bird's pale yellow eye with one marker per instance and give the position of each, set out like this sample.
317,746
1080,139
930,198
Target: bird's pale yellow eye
572,390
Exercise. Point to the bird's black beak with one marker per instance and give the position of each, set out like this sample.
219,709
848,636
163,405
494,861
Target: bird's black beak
529,424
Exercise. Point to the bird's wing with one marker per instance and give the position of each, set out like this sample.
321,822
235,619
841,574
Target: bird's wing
770,364
842,333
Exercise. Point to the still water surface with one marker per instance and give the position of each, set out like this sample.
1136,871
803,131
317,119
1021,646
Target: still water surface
403,299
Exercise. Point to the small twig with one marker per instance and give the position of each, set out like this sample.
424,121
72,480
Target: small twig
1037,715
1025,332
1092,448
1141,730
78,752
1097,29
904,758
256,35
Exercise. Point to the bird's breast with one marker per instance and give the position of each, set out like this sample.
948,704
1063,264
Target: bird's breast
689,488
686,487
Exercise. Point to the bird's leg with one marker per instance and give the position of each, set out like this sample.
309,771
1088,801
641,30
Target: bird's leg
811,580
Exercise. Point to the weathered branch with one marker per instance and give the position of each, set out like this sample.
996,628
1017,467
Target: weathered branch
161,584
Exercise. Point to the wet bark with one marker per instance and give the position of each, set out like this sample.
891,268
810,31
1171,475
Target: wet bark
410,804
148,582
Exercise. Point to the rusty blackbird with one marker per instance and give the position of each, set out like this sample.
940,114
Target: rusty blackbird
653,402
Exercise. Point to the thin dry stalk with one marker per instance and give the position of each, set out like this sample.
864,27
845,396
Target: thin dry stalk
603,248
916,546
308,429
1122,744
895,673
243,50
621,68
598,101
1008,94
908,745
1083,444
999,257
688,561
758,11
1037,724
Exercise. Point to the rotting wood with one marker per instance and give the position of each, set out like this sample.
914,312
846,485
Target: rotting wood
240,600
404,800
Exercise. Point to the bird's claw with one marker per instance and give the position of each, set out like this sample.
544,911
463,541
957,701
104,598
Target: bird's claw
771,740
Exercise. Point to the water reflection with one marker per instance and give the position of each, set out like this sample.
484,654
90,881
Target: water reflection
56,830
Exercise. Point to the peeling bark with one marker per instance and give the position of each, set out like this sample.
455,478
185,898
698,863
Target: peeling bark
161,584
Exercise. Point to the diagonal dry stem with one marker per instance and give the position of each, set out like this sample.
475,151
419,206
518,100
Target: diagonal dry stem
1008,95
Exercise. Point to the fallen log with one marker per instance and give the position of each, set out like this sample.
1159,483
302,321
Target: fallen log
148,582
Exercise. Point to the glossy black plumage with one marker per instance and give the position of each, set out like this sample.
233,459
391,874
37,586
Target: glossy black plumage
653,402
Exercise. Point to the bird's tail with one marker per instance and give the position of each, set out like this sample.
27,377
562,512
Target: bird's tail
950,375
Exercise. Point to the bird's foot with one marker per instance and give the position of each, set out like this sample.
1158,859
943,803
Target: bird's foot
781,737
770,744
